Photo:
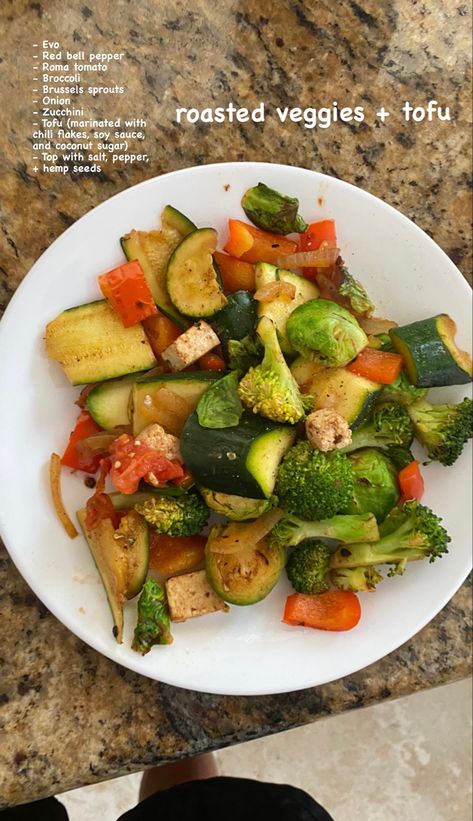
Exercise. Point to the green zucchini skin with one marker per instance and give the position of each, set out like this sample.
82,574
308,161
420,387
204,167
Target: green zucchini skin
242,460
430,354
237,319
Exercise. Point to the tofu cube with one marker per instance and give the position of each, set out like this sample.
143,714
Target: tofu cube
190,595
190,346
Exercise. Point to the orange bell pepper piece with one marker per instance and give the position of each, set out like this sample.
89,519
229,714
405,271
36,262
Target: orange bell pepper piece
236,274
176,554
161,332
251,244
379,366
128,293
334,610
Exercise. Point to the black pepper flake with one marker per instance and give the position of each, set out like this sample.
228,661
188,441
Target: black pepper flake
89,481
345,552
115,630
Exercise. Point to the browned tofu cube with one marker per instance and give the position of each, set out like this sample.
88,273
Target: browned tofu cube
190,595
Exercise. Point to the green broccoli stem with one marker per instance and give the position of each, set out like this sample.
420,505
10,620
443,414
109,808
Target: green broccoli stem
356,579
390,549
291,530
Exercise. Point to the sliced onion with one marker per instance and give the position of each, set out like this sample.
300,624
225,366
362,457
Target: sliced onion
244,535
324,257
100,442
375,325
167,409
275,290
55,483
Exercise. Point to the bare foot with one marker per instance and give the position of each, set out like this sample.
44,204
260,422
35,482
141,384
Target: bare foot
161,778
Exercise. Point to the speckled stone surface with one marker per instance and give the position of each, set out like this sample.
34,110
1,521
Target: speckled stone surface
67,715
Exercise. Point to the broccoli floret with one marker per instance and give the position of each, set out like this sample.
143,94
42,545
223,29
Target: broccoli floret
270,388
307,567
154,623
356,579
183,516
401,390
355,293
442,429
243,354
313,484
408,534
291,530
390,425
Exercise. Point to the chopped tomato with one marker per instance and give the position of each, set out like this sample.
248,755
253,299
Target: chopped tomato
161,332
379,366
128,293
211,362
251,244
236,274
175,554
411,482
84,427
132,460
312,239
334,610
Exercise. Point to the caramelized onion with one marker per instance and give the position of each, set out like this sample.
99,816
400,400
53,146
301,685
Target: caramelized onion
55,483
275,290
243,535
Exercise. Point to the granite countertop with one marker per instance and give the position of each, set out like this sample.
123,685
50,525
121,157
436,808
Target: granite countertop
67,715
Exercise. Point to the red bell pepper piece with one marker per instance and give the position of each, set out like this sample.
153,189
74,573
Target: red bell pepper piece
251,244
334,610
211,362
312,239
379,366
72,458
128,293
411,482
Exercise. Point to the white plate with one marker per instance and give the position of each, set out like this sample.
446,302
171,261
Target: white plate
248,651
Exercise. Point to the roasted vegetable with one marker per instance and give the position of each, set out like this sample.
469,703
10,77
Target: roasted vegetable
406,535
307,567
153,625
324,332
391,425
442,429
313,484
220,406
430,353
270,388
376,487
272,211
291,531
356,579
236,508
182,516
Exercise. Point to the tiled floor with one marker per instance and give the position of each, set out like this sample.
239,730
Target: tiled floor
408,760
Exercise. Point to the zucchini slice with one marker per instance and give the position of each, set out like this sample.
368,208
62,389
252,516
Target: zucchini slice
191,278
109,403
152,249
352,396
91,344
122,562
278,310
189,386
237,319
430,354
242,460
245,577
